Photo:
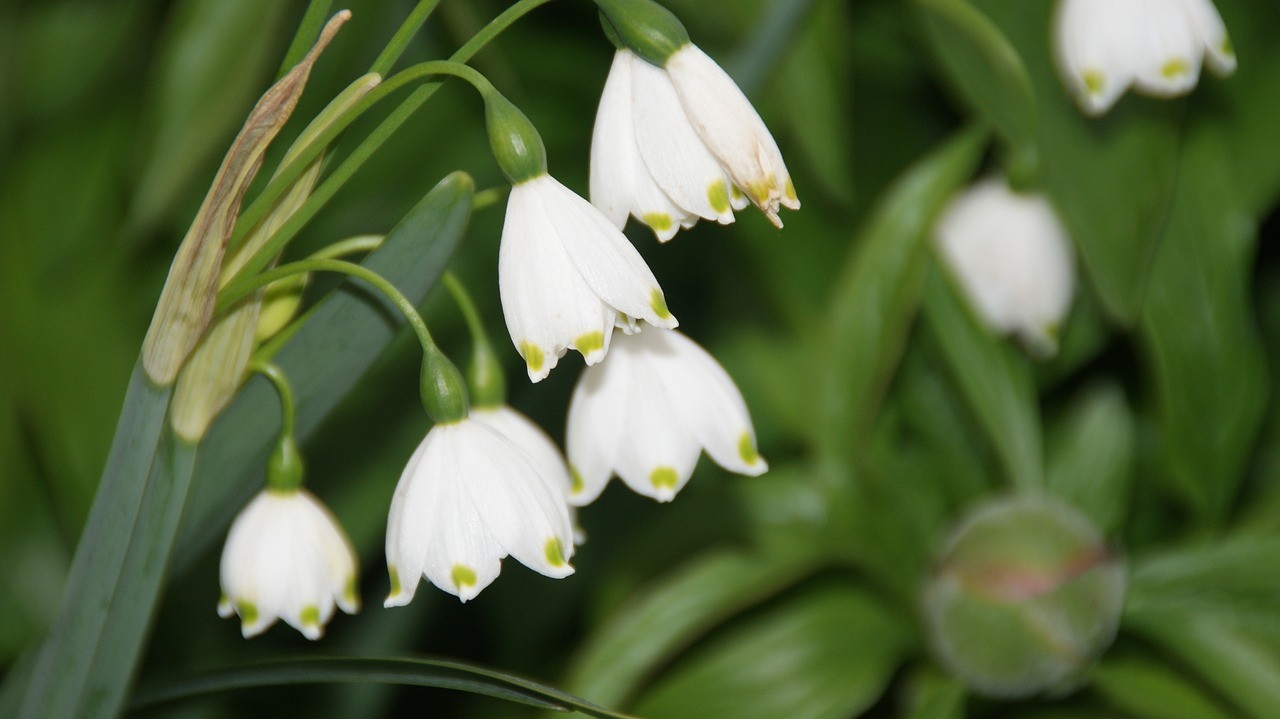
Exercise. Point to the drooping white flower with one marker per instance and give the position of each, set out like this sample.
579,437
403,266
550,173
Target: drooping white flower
566,276
675,144
540,448
469,497
1011,257
286,557
1157,46
648,412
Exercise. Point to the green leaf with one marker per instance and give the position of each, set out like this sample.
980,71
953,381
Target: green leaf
1150,690
995,379
985,69
880,289
932,695
408,671
1233,575
1090,456
1248,107
341,338
658,624
826,654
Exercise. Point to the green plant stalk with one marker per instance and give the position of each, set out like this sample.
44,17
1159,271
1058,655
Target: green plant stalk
485,380
308,29
410,27
285,176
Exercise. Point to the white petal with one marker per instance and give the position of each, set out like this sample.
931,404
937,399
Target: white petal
707,400
674,154
597,416
1219,55
549,306
732,130
463,557
603,256
410,520
613,157
1170,63
1097,44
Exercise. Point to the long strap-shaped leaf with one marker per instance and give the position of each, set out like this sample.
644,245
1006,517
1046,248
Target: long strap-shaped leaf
409,671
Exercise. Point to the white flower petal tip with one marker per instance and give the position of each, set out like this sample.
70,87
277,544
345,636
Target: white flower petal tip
470,496
287,558
648,412
566,274
1156,46
677,144
1011,258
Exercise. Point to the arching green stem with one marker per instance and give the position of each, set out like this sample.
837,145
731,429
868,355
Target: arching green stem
485,379
394,49
284,467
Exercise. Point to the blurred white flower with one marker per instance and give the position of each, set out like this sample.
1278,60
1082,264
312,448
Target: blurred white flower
1157,46
648,411
287,557
566,276
1011,257
469,497
679,143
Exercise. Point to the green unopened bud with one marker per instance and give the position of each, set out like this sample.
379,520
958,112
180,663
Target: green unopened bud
645,27
284,467
516,144
280,301
444,394
1024,598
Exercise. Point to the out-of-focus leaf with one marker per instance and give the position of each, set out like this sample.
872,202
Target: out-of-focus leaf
1234,575
341,338
934,696
656,625
1249,108
1085,336
985,69
1150,690
1198,332
1090,456
879,291
409,671
825,654
1240,665
995,379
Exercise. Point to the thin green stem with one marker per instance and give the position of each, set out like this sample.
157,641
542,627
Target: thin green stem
487,383
277,377
349,246
485,199
468,308
394,49
285,176
308,29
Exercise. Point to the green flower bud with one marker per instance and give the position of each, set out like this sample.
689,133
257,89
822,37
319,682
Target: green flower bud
648,29
516,144
444,394
1024,597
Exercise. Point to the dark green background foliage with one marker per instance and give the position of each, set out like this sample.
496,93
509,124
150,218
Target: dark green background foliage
883,407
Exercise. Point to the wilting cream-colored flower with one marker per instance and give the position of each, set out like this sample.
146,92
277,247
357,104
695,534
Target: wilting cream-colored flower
566,276
1157,46
469,497
287,558
649,411
1011,257
675,144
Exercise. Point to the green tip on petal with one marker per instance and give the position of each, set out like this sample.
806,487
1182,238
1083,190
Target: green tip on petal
532,355
463,576
395,580
1093,81
310,616
747,449
790,190
351,593
658,304
664,477
1227,47
1175,68
589,342
718,196
576,485
248,612
658,221
555,552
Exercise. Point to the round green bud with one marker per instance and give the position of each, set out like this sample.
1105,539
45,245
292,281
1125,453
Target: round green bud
516,144
444,394
645,27
284,466
1024,597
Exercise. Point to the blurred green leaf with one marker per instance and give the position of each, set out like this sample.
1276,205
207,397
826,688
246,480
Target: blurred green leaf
340,339
995,379
1247,107
659,623
1232,575
879,290
825,654
935,696
1090,456
1150,690
985,70
409,671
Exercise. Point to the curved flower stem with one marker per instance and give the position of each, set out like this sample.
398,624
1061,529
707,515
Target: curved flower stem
286,175
277,377
394,49
349,246
486,382
284,466
485,199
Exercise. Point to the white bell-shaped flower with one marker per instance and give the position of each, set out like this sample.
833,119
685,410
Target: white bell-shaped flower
675,144
1011,257
566,276
469,497
647,413
286,557
1157,46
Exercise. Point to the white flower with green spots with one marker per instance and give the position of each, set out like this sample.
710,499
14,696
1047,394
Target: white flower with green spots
287,558
1011,256
648,412
566,276
469,497
675,144
1157,46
